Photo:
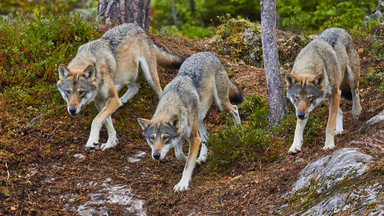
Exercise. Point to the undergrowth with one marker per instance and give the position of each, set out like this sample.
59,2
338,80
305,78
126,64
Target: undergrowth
254,142
32,45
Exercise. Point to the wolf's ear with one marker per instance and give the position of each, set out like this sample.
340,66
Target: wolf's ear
174,122
90,72
144,123
319,80
290,80
63,72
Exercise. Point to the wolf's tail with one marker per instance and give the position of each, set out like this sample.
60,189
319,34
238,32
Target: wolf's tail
165,59
345,90
235,95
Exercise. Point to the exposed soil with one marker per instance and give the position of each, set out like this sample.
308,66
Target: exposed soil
49,172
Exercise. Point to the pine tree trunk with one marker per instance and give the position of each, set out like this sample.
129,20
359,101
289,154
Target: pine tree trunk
275,89
125,11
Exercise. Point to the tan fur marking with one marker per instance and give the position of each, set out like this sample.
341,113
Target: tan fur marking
158,146
195,143
333,114
302,106
73,101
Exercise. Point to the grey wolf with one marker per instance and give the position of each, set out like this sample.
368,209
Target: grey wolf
327,67
182,107
101,68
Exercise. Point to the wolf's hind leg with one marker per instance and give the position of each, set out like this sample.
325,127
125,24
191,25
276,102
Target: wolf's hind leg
132,90
149,68
204,150
353,82
223,104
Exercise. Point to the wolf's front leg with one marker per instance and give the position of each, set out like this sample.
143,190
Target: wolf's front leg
298,139
334,104
203,137
132,90
112,139
179,152
190,165
111,106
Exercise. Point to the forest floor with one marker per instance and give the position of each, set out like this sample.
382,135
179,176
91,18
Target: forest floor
56,170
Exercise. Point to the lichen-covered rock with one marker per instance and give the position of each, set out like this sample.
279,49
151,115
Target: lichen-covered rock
344,163
329,186
374,120
377,14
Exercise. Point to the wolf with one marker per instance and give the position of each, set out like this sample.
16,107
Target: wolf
182,107
101,68
328,67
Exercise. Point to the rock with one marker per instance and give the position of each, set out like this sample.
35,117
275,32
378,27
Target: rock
333,168
326,187
377,14
108,195
374,120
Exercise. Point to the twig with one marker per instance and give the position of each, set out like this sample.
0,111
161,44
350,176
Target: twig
6,166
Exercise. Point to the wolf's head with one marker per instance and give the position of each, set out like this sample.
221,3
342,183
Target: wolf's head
305,93
161,135
77,88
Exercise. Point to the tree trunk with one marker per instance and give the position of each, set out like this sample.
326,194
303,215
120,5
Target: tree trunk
174,14
275,89
125,11
192,6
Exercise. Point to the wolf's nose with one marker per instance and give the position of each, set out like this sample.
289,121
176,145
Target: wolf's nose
156,155
72,110
301,115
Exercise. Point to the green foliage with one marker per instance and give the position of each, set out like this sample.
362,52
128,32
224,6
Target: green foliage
11,6
32,45
205,14
301,15
375,31
252,143
255,142
240,39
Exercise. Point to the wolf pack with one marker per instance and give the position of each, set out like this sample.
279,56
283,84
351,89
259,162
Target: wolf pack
328,67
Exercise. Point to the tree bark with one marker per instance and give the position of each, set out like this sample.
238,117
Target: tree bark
125,11
276,99
174,14
192,6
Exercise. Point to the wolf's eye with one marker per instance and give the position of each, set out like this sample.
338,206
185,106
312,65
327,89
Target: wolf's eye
81,93
152,137
296,98
310,98
68,92
166,139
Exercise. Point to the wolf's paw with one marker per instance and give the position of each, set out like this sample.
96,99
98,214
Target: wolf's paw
338,131
180,186
203,154
356,112
201,160
91,145
110,144
294,150
329,146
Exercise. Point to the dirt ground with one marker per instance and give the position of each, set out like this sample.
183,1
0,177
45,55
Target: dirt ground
48,169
